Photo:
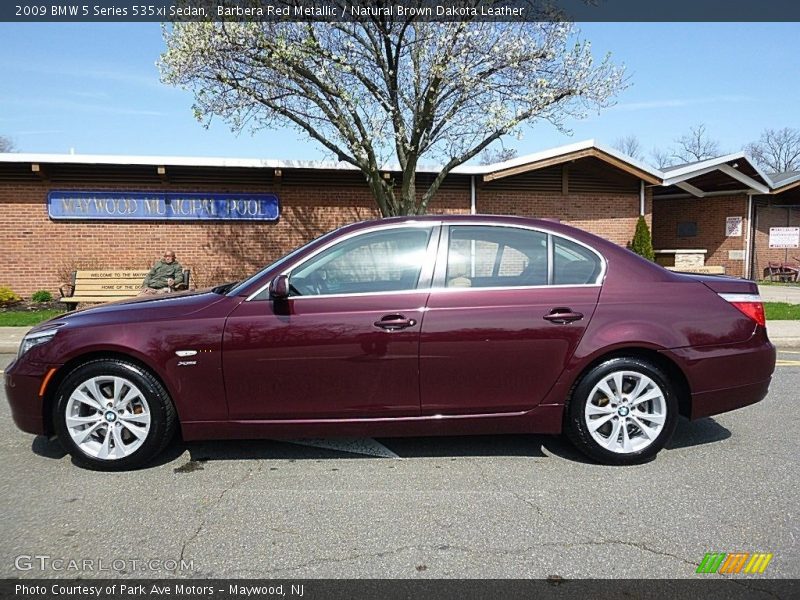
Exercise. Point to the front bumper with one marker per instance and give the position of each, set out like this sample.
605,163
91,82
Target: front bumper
23,381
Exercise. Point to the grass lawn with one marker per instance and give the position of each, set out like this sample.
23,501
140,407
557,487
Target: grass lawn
781,311
792,284
27,318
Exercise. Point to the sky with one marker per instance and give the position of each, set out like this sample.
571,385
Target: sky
94,89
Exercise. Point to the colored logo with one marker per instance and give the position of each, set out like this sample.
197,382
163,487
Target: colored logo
740,562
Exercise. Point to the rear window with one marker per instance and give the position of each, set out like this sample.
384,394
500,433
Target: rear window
574,264
498,256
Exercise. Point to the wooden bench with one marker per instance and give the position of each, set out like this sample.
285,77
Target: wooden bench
782,272
109,285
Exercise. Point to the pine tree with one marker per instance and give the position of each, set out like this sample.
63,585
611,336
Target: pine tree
642,242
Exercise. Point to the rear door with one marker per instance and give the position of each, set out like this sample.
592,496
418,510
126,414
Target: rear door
507,310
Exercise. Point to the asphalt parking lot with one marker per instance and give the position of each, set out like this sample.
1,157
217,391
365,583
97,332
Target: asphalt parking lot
483,507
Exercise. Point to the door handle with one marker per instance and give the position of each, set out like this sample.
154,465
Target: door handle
394,322
563,315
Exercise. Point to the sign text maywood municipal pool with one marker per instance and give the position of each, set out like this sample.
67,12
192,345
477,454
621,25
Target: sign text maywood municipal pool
158,206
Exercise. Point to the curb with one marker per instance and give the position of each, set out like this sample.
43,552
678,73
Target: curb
786,344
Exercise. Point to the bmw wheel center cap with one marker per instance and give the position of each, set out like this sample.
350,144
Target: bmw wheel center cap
111,416
623,411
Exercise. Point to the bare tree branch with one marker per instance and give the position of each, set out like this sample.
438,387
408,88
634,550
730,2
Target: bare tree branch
7,144
777,150
660,158
629,145
695,145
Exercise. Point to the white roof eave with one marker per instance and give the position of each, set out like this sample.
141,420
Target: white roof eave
175,161
688,172
192,161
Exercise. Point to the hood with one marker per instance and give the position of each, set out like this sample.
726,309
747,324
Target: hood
144,308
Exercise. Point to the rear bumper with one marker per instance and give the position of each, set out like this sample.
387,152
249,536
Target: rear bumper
22,383
724,378
706,404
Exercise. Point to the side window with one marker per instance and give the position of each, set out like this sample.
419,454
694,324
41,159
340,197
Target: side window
486,256
382,261
573,263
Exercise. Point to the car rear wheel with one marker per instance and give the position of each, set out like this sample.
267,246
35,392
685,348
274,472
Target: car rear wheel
622,412
112,415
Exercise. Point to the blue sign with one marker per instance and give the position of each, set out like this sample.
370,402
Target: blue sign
161,206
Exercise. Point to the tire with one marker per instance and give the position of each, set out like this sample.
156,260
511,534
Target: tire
131,424
622,429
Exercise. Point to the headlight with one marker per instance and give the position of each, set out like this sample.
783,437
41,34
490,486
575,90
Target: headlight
34,339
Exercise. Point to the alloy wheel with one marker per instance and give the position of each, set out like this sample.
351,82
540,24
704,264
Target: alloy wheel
108,417
625,412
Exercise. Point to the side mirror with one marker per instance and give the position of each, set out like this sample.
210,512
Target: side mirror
279,288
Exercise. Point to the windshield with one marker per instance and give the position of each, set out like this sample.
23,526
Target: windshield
247,282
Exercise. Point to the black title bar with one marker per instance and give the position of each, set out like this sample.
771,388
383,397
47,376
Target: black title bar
735,588
81,11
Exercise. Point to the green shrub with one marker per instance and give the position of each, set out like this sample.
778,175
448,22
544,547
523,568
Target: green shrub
42,296
642,243
7,296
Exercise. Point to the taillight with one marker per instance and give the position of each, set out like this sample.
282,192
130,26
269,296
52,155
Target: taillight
749,304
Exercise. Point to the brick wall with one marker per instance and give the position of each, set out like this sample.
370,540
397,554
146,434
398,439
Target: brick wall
710,215
612,216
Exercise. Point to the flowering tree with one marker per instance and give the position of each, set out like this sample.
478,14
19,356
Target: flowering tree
385,92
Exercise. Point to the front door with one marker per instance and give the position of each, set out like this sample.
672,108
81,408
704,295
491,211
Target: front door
346,342
507,311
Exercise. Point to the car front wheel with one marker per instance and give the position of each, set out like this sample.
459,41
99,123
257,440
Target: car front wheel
112,415
622,412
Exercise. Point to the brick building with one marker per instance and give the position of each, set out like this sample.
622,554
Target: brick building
728,209
584,184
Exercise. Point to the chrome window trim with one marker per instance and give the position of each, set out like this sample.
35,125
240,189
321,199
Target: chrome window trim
378,227
505,288
364,294
454,289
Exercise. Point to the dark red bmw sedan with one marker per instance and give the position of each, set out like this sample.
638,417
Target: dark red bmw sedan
405,327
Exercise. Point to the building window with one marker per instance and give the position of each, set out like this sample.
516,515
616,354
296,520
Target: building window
687,229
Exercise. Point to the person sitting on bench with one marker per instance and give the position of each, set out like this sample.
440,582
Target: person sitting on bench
164,277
